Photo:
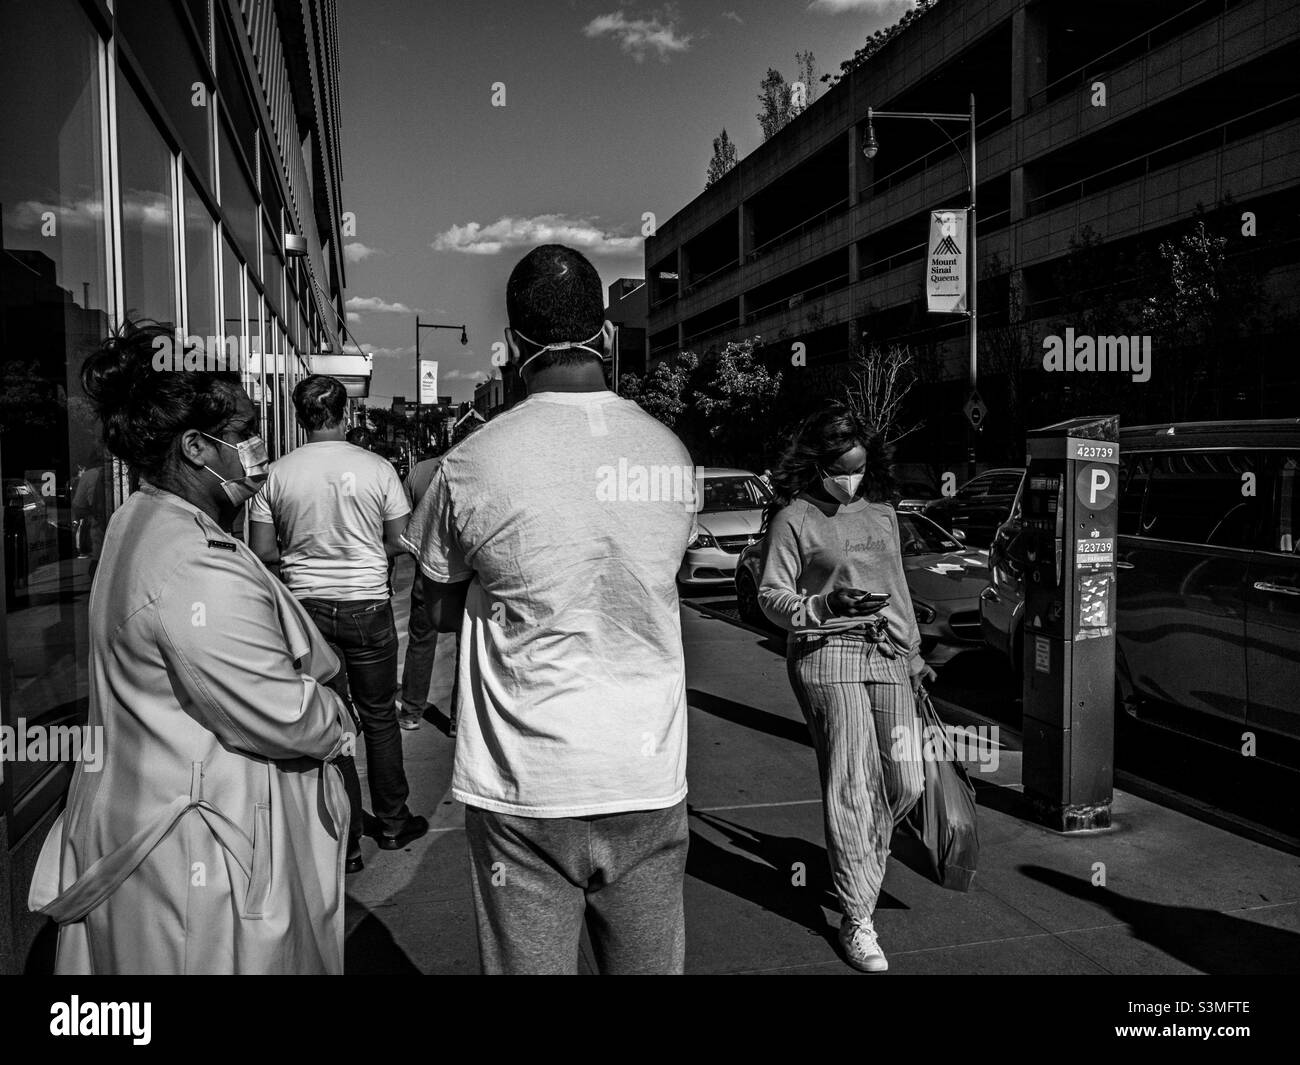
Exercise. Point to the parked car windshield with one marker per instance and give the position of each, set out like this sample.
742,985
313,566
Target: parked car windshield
919,536
734,493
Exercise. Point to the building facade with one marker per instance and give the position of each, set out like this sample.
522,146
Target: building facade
1101,126
628,309
172,160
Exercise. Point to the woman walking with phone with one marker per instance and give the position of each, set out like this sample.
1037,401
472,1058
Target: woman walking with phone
833,577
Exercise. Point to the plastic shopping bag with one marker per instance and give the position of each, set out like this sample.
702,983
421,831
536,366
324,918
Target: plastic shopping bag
940,838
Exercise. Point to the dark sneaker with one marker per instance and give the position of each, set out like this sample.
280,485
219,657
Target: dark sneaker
354,862
412,829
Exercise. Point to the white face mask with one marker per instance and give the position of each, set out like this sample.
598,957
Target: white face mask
843,487
254,459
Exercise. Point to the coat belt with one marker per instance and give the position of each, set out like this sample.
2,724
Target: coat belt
107,873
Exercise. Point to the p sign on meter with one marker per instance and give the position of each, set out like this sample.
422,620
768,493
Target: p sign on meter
1097,487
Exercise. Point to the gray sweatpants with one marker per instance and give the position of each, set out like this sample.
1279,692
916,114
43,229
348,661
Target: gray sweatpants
537,880
853,697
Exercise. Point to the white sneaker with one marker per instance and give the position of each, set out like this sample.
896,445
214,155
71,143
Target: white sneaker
861,950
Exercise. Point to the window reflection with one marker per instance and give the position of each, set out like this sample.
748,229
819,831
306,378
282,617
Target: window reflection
165,47
145,169
52,298
200,273
237,198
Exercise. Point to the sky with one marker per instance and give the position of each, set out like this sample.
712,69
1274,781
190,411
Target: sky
610,111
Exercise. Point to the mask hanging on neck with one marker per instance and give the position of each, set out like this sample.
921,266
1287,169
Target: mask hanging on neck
560,346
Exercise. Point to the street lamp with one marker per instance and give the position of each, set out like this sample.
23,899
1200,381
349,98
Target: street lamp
464,339
871,147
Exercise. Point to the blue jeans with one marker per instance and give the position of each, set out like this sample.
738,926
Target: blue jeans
362,633
536,880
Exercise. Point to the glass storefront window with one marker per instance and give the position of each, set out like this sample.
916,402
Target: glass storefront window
235,101
263,365
283,358
168,57
272,271
237,198
145,180
200,271
53,298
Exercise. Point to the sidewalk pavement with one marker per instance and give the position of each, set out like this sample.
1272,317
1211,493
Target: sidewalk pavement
1157,893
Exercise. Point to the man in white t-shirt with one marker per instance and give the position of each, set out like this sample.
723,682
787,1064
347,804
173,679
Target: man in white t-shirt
332,514
558,529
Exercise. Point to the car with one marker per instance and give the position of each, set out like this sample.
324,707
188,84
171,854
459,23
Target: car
914,496
30,537
979,506
1207,582
943,576
729,520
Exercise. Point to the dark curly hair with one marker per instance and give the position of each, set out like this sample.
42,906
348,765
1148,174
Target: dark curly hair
821,438
144,410
554,294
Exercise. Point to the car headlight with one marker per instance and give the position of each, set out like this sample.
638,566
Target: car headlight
923,611
702,539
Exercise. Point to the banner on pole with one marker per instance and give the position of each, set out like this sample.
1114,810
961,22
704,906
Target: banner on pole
945,265
428,382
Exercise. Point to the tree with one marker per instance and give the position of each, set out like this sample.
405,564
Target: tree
805,74
1202,302
781,100
662,393
880,379
878,40
774,98
724,158
738,403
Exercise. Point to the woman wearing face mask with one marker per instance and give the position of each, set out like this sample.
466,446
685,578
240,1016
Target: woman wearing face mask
211,839
833,576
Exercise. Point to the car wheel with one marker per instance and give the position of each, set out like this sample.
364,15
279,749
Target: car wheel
747,601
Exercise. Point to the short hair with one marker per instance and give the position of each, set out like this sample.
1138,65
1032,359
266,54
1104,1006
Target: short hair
554,294
144,410
320,402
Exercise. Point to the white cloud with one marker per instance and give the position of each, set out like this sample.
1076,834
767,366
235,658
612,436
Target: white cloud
353,316
870,7
356,251
377,305
462,375
381,353
640,36
30,214
474,238
734,17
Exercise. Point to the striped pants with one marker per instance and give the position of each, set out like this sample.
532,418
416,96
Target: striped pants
853,695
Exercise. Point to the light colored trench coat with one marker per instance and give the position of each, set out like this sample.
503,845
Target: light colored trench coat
213,838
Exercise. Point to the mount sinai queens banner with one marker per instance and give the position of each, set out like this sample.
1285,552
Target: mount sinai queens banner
945,265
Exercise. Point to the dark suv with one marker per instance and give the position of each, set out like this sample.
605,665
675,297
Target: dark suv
1208,582
978,507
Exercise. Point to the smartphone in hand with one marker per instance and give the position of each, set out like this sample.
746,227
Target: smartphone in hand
870,602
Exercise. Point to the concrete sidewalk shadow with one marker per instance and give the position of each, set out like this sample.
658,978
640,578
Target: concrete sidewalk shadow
769,877
370,950
1207,940
783,728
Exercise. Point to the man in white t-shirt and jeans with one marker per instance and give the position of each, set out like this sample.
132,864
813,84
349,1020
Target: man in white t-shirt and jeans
543,528
332,514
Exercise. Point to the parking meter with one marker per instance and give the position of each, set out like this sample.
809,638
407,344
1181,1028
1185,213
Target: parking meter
1070,507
